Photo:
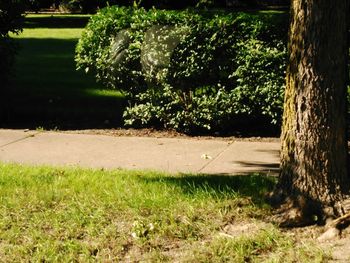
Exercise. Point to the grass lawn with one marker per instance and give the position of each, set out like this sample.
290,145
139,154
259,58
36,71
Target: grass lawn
74,215
48,91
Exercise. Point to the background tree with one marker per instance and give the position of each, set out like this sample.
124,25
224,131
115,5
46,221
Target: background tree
90,6
10,21
10,16
314,173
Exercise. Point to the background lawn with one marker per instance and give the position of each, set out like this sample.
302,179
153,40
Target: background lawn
48,92
75,215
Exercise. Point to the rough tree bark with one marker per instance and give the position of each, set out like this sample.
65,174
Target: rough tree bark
314,155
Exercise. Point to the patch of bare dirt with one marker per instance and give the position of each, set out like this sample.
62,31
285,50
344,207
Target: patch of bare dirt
242,228
339,247
165,134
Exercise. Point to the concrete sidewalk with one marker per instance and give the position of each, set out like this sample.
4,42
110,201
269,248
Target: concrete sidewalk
185,155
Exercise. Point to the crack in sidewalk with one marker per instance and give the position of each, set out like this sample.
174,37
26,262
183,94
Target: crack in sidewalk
21,139
216,157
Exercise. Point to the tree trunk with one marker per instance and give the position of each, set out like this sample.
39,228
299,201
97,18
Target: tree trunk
314,138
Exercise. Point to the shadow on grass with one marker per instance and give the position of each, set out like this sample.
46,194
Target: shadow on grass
56,21
254,186
48,92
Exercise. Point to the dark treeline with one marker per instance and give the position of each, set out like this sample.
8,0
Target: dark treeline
90,6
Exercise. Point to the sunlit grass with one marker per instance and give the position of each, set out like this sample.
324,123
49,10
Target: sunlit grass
103,92
50,33
75,215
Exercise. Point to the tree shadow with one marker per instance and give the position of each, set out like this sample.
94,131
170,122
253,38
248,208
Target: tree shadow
48,92
269,168
254,186
56,21
276,153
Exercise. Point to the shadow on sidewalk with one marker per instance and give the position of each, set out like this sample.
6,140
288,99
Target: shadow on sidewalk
269,168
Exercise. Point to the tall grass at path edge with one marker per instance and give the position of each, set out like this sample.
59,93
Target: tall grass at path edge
75,215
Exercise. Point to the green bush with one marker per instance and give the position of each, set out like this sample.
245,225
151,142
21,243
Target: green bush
92,51
118,32
192,71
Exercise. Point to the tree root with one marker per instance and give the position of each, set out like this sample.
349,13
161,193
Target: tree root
341,222
335,228
295,212
298,211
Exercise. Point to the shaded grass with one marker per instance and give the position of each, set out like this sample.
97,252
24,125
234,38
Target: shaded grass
48,91
70,214
217,186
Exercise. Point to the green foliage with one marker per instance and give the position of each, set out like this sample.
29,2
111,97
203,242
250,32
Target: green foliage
10,16
84,6
191,71
70,6
111,45
93,47
260,79
90,6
